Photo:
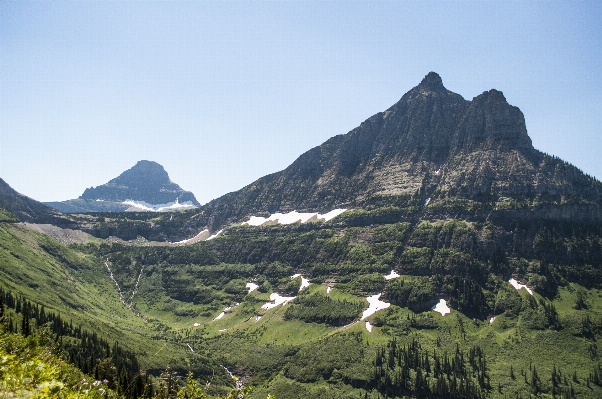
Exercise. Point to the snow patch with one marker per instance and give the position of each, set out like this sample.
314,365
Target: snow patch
518,285
442,307
199,237
227,309
142,206
293,217
375,305
328,289
304,281
391,275
215,235
492,320
196,325
368,326
427,201
257,318
276,300
251,287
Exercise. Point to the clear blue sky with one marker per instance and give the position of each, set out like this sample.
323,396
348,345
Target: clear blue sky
222,93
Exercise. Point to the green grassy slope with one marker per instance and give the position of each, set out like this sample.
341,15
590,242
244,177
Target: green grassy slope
311,347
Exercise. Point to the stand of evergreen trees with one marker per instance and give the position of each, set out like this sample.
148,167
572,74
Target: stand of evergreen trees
92,354
412,371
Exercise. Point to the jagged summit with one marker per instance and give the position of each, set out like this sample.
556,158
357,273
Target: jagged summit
432,81
433,145
144,187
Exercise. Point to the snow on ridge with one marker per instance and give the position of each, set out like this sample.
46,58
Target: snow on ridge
214,235
442,307
199,236
202,236
227,309
368,326
518,286
392,275
142,206
304,281
293,217
375,305
251,287
277,299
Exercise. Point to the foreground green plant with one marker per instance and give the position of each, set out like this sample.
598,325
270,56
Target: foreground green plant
29,369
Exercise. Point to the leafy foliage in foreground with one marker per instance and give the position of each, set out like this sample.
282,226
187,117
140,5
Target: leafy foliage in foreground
30,367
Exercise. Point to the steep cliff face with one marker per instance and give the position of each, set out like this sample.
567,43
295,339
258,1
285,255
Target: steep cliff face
432,145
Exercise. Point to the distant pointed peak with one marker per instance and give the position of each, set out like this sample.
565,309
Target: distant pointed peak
432,81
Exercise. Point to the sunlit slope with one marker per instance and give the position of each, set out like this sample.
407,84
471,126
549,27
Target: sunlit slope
78,287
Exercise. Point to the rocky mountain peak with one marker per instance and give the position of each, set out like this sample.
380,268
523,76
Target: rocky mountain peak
143,173
145,186
146,181
432,81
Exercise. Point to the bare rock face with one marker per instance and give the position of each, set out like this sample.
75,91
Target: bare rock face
431,144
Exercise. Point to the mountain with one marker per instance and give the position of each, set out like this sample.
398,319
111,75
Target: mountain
433,146
22,208
144,187
432,155
467,264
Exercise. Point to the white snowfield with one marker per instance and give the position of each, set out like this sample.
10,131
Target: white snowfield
214,235
293,217
202,236
226,310
304,281
141,206
518,285
251,287
391,275
328,289
492,320
442,307
375,305
277,300
368,326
